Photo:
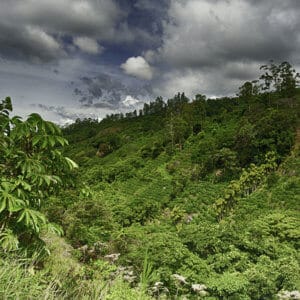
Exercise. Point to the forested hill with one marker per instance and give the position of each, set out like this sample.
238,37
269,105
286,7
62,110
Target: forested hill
208,188
185,199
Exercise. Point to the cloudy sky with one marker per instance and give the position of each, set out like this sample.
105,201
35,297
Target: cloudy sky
85,58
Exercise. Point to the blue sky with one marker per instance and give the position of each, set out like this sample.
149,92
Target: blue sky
85,58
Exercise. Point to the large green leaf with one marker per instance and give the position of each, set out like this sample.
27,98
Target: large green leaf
8,240
32,218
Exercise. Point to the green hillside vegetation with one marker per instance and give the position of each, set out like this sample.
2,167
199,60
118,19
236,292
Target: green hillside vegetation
185,199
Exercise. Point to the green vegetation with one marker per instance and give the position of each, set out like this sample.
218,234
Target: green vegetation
183,200
31,168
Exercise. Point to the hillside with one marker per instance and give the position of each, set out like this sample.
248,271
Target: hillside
146,197
182,200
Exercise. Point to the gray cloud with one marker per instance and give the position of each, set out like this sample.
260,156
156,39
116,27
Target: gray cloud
151,5
109,91
93,17
28,43
60,111
203,34
35,30
66,115
212,46
87,45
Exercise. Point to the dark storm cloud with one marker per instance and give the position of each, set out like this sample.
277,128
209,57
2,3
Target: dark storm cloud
203,34
149,15
217,44
28,43
240,71
44,30
145,20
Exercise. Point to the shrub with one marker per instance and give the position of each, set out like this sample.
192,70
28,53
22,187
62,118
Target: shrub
31,169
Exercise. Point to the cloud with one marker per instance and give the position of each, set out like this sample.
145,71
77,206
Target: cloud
41,30
138,67
38,36
207,33
86,22
213,46
63,115
150,5
102,89
30,43
145,19
88,45
90,17
130,101
223,82
110,91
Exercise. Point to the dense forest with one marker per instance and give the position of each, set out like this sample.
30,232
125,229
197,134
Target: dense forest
184,199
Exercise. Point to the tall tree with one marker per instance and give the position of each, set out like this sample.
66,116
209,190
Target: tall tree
282,78
248,93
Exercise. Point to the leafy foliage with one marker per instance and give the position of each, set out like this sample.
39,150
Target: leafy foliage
248,182
32,167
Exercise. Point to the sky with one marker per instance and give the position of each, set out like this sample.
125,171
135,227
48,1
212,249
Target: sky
69,59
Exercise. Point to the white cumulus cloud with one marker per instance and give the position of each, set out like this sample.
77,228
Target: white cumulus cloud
87,45
138,67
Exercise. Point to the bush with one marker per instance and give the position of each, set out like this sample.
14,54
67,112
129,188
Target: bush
31,169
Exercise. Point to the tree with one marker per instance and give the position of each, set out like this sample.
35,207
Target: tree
245,138
282,78
146,109
177,103
199,106
289,80
177,130
250,179
268,78
31,169
248,92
